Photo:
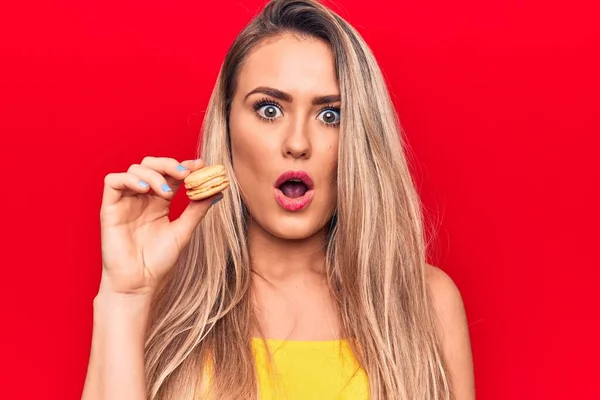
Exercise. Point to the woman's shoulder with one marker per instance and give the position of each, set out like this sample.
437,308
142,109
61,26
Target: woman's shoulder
443,289
454,330
447,300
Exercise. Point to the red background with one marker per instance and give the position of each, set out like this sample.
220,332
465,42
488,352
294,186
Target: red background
499,101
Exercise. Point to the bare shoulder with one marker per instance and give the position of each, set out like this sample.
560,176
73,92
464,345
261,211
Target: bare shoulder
454,332
446,296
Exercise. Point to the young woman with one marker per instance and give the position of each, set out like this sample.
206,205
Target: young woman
308,280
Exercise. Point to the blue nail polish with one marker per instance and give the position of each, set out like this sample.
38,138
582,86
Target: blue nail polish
181,168
215,201
165,187
143,184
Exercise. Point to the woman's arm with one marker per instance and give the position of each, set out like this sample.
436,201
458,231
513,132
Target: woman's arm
140,245
116,366
454,329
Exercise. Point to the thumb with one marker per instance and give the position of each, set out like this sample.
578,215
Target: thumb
191,217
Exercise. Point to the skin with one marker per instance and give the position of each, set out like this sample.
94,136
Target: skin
140,244
287,247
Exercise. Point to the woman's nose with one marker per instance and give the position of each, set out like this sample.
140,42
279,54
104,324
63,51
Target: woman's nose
297,142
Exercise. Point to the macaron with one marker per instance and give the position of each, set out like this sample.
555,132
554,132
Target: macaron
206,182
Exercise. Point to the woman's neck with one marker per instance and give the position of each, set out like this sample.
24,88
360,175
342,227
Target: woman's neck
291,295
282,259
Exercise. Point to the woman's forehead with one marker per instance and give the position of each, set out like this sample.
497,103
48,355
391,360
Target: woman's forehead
292,64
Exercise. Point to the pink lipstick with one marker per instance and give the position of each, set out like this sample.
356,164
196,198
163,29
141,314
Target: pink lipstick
294,190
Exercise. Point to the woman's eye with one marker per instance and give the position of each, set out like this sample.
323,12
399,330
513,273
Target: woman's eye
329,117
269,111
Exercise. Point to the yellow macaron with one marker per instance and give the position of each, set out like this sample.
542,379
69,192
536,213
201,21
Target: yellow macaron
206,182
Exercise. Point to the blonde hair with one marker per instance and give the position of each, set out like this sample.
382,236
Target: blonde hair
202,318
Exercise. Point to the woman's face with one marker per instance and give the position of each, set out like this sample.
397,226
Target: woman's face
284,127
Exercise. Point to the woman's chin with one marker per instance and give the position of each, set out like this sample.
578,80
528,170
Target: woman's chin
292,227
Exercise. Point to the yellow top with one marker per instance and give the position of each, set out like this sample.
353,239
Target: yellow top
309,370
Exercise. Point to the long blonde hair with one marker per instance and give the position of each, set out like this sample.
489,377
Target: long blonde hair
202,317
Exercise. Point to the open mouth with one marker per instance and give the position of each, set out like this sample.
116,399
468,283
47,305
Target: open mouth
294,190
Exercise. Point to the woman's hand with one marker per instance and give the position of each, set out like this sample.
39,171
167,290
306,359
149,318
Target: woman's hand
139,242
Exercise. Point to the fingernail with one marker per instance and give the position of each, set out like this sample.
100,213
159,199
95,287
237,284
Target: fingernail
181,168
215,201
165,187
143,184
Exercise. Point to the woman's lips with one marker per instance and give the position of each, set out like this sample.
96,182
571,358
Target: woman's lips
296,203
293,204
298,175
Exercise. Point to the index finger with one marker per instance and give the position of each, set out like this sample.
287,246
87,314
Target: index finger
170,169
193,165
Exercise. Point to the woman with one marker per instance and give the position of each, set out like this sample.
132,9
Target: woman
308,280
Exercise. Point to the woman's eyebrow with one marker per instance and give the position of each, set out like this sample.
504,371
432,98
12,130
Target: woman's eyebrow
283,96
272,92
333,98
